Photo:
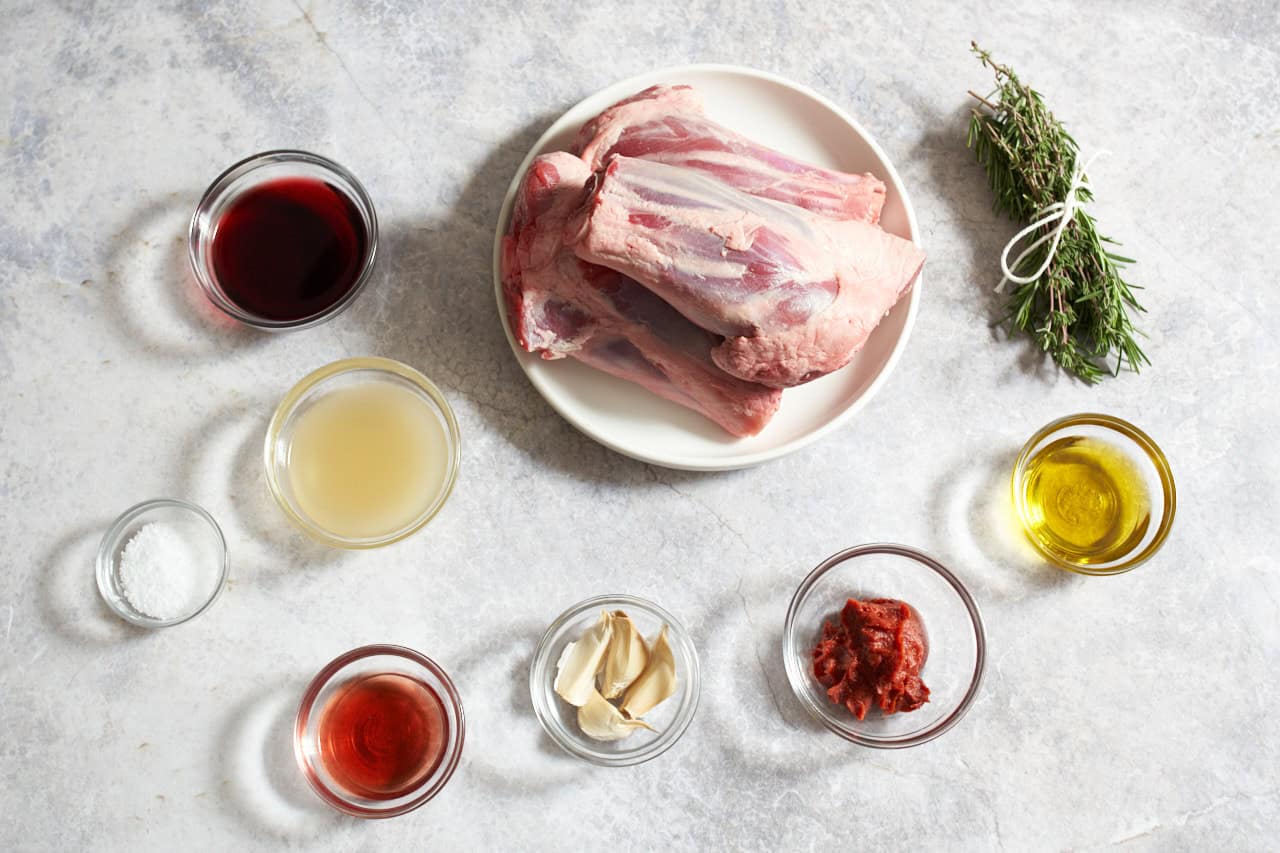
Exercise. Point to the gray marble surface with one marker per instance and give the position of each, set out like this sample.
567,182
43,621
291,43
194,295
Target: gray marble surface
1135,711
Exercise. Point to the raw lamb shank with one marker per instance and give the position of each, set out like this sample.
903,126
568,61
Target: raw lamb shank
559,305
666,124
794,294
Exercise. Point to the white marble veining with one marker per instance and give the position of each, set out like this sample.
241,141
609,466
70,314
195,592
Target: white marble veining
1136,711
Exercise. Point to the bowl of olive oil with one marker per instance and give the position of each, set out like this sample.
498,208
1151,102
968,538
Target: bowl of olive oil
1094,493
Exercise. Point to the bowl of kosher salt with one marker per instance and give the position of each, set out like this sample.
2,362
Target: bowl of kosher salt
162,562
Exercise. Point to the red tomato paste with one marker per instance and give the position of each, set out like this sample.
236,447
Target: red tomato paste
872,657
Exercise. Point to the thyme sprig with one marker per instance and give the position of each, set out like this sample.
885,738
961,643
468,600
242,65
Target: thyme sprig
1078,310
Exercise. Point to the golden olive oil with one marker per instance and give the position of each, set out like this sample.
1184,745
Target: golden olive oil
368,460
1085,500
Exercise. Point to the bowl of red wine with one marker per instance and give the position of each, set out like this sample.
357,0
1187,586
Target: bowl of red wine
283,240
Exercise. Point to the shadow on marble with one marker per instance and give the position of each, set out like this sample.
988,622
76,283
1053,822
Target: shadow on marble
259,781
224,465
754,715
965,194
507,748
67,592
152,297
979,536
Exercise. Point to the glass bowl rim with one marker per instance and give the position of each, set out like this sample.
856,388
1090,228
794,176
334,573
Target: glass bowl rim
106,561
321,680
238,170
797,678
692,682
286,408
1135,436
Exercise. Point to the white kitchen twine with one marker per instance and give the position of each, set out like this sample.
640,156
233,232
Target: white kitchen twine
1062,211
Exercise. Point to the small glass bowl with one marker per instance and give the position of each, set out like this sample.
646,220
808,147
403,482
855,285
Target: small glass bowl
331,377
560,719
255,171
198,530
375,660
1145,455
957,646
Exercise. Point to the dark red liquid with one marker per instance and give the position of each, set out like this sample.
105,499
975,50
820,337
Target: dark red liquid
382,735
289,248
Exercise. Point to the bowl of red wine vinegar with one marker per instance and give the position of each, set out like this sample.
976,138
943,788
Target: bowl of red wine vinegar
283,240
379,731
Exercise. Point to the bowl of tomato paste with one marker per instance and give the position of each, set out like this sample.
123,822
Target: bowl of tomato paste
884,646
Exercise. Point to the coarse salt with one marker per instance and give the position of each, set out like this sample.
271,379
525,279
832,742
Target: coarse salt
161,574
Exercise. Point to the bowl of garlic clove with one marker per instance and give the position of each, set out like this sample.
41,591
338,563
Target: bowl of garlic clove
615,680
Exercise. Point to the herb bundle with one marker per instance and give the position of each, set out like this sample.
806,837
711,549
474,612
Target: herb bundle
1078,309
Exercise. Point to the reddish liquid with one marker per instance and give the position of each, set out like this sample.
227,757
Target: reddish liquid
289,248
382,735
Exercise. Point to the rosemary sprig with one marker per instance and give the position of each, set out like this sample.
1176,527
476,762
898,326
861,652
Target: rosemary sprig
1078,310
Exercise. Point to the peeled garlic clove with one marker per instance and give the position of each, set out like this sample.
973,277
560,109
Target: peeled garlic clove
626,657
581,660
598,719
656,683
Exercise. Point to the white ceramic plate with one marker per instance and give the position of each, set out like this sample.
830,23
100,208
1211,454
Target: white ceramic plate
630,420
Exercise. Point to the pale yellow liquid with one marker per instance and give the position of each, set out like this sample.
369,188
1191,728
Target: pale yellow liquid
368,460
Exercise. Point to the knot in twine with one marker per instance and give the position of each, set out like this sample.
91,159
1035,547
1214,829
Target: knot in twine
1060,211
